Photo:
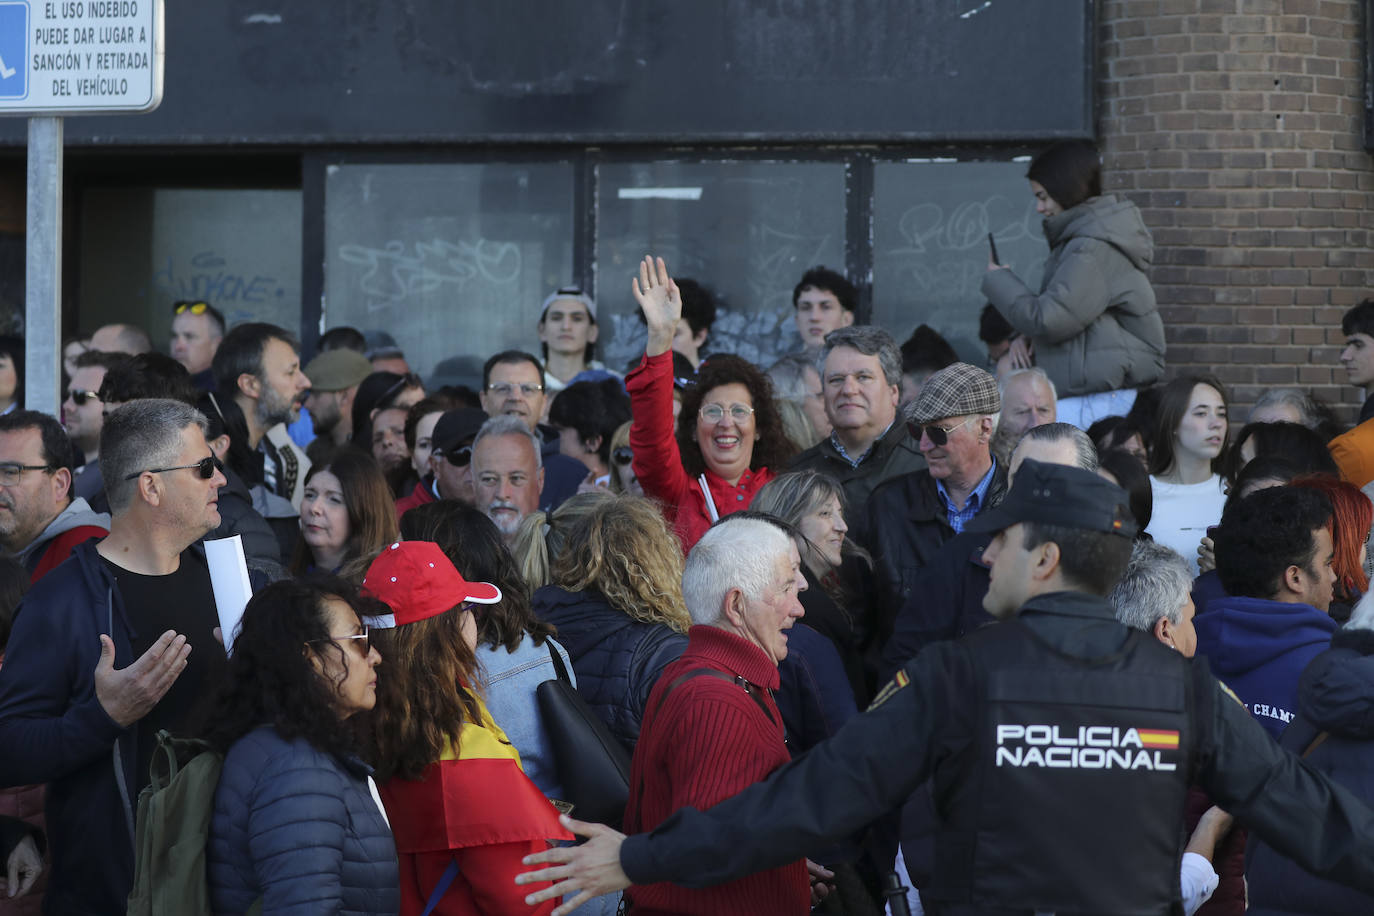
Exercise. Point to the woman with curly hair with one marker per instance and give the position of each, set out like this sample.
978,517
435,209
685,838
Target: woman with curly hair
347,512
463,811
729,433
615,594
294,822
513,645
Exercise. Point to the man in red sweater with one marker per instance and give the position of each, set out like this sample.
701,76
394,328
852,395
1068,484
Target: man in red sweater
711,727
40,522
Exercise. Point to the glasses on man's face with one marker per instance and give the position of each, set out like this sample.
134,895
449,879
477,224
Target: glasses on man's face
714,413
204,468
939,435
195,308
10,473
506,389
364,639
623,455
459,457
80,396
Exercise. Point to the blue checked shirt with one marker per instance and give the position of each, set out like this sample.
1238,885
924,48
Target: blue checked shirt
958,518
855,462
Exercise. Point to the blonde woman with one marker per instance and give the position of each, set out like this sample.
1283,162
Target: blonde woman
616,599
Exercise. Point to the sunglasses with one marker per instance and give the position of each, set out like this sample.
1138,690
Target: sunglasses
80,396
195,308
939,435
365,636
409,380
623,455
460,457
205,469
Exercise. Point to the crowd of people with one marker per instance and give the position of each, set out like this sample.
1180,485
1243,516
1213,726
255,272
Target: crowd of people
878,629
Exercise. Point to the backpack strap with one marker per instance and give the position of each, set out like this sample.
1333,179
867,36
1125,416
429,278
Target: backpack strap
1317,742
749,688
445,881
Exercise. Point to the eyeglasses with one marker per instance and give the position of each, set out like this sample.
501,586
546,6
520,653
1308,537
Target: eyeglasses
80,396
195,308
506,389
460,457
713,413
365,636
204,468
939,435
623,455
10,473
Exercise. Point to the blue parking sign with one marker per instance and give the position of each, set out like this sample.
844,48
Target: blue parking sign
14,49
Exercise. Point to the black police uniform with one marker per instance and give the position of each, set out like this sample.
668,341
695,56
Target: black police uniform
1060,745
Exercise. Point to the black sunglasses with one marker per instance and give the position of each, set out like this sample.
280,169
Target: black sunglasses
80,396
939,435
204,468
623,455
460,457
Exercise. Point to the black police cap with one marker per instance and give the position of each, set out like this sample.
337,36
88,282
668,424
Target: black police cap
1056,494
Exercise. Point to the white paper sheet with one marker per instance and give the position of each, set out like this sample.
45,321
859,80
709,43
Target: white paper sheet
229,579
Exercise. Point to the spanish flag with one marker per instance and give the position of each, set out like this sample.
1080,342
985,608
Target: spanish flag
1158,738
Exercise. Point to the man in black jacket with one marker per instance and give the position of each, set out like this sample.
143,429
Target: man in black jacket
909,517
1060,742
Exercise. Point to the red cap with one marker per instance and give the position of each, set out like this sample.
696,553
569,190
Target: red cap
417,582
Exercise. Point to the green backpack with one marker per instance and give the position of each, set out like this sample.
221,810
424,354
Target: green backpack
174,813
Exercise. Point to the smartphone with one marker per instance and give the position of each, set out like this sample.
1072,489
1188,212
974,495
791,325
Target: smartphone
992,246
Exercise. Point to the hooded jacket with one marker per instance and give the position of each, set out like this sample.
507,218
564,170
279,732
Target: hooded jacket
1094,323
617,659
1259,647
1335,695
74,524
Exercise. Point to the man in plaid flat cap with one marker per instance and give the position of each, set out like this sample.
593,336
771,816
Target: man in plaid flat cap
910,516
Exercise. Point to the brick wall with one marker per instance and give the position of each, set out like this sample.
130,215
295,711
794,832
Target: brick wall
1237,127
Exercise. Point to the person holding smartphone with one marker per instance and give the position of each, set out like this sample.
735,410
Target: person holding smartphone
1093,326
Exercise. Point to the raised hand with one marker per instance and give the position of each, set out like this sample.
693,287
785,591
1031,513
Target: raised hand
127,694
660,301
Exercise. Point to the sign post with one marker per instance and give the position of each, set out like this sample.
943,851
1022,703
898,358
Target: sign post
57,58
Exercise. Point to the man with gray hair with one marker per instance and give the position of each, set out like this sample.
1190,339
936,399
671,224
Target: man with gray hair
1028,400
861,378
100,657
1154,595
711,727
507,472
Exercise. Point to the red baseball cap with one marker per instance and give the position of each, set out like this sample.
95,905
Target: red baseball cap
417,582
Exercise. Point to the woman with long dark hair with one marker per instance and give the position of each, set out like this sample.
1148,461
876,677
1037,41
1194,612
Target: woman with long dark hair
1094,326
462,809
295,823
347,512
730,437
1185,464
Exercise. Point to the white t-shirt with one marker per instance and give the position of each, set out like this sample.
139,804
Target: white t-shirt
1183,513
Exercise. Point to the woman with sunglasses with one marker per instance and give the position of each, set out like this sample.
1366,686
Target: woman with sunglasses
377,392
295,823
623,477
463,811
729,434
347,512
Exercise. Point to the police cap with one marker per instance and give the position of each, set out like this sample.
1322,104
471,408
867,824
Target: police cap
1054,494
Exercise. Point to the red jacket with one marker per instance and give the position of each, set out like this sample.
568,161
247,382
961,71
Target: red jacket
708,741
418,496
658,463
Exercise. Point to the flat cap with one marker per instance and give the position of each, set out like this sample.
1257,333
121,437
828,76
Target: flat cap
335,370
956,391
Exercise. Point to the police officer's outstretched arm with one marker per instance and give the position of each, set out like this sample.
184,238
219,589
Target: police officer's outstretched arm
841,785
1297,810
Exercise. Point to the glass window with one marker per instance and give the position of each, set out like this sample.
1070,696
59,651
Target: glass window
452,260
143,249
747,230
930,244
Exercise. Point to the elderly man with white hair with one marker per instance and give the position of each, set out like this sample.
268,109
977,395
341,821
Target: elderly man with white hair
1028,401
711,727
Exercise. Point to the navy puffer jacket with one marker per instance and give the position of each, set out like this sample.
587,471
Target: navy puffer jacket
298,827
617,660
1335,695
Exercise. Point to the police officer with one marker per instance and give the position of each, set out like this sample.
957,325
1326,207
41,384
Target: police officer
1060,744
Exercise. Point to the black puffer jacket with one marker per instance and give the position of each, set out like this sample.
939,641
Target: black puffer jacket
617,659
1336,696
907,524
